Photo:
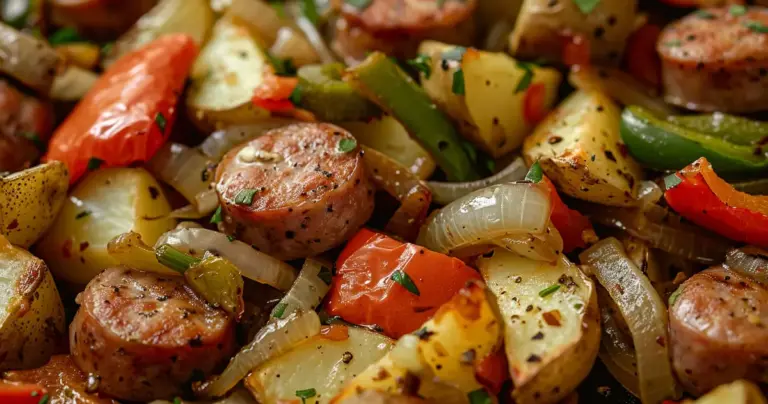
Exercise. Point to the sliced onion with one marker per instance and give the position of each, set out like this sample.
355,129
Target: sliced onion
259,17
649,194
447,192
495,212
749,261
644,312
546,246
220,142
313,35
498,36
239,395
187,171
616,349
401,183
291,45
130,250
307,291
276,338
252,264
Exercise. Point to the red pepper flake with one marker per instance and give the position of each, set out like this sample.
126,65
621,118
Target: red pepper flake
14,224
66,248
552,318
83,246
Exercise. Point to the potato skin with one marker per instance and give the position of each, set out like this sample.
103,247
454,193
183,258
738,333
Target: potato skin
717,330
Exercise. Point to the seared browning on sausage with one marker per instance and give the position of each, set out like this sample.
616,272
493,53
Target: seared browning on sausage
64,382
22,120
719,330
296,191
408,16
147,336
715,60
101,18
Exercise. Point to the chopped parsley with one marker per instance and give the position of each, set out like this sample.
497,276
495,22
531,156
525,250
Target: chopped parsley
578,306
216,218
325,274
756,26
295,96
527,78
458,82
549,290
479,396
359,4
671,181
279,8
305,394
176,400
83,214
422,64
534,173
673,44
586,6
309,10
673,297
64,36
279,310
106,49
737,10
161,121
283,67
704,15
245,196
405,281
346,145
94,163
231,238
44,399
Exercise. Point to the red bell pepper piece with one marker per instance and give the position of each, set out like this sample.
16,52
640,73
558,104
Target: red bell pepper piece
493,371
574,228
576,50
534,109
641,59
372,283
21,393
697,194
128,114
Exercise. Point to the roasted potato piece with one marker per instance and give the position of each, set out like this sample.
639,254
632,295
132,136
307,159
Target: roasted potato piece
496,110
224,77
465,323
81,54
579,148
377,397
31,313
549,29
551,320
30,201
27,59
738,392
192,17
105,204
319,363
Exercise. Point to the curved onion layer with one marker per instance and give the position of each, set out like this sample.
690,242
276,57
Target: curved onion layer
398,181
239,395
447,192
749,261
252,264
276,338
644,313
220,142
546,246
616,349
505,210
187,171
314,38
307,291
663,230
649,194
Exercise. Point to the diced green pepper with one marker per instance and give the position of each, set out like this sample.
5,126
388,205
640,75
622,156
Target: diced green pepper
328,97
664,145
733,129
384,83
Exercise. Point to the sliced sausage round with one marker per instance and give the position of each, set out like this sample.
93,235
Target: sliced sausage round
146,335
408,16
296,191
103,18
719,330
25,124
717,60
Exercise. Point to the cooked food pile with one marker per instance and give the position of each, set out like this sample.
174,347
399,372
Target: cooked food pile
383,201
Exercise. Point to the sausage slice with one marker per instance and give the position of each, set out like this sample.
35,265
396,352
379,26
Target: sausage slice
296,191
146,335
717,60
408,16
719,330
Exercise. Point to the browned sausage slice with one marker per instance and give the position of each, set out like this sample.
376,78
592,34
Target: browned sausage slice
719,330
408,16
22,118
717,60
296,191
147,335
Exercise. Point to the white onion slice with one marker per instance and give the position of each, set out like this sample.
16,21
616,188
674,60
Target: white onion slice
220,142
239,395
490,213
649,194
447,192
644,313
252,264
276,338
187,171
307,291
749,261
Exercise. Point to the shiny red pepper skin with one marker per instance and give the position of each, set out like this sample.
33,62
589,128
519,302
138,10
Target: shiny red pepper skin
18,393
571,224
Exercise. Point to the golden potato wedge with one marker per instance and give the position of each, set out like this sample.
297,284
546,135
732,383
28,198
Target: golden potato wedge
31,314
30,201
105,204
551,320
28,59
224,77
738,392
318,363
579,148
544,29
192,17
495,112
81,54
465,324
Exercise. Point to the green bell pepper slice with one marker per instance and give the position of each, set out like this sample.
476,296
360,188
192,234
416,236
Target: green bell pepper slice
732,129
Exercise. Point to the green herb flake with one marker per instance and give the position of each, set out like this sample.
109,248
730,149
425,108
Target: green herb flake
44,399
756,26
94,163
295,96
490,164
305,394
458,82
245,196
64,36
671,181
34,393
83,214
309,10
325,274
106,49
549,290
176,400
161,121
283,67
35,139
673,297
231,238
359,4
578,306
479,396
586,6
454,54
405,281
422,64
216,218
279,310
704,15
737,10
346,145
535,174
673,44
527,78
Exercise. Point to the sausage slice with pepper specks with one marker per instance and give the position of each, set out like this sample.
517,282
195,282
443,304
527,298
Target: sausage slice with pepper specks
296,191
719,330
147,335
717,60
408,16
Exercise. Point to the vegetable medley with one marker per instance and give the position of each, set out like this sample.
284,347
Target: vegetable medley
383,201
